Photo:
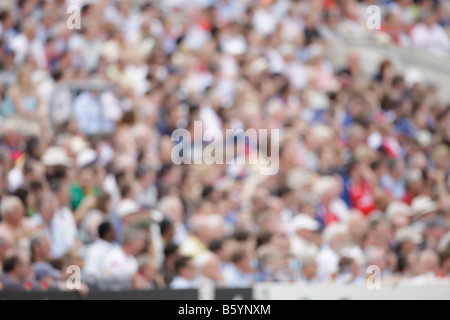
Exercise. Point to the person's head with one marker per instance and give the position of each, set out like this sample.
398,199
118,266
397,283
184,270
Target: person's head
171,207
103,203
6,19
414,181
47,206
355,170
167,229
309,269
106,231
270,259
40,247
429,262
336,236
16,264
184,267
86,176
171,252
223,247
207,264
148,267
127,211
24,77
305,227
326,189
428,17
34,147
12,210
61,188
407,240
133,240
208,227
33,170
356,226
376,256
241,258
71,258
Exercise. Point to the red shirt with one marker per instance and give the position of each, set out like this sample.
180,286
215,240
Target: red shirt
361,196
408,198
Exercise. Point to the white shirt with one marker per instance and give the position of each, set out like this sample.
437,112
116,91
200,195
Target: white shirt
235,278
182,283
118,268
22,47
95,255
303,249
432,39
65,223
265,22
327,263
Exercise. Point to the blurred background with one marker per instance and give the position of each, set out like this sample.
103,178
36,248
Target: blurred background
86,117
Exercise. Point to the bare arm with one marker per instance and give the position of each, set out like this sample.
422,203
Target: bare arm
21,111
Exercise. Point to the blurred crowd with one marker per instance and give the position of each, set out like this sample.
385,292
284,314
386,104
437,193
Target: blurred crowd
86,116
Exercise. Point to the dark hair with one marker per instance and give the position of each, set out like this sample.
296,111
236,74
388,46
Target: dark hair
32,143
4,14
165,225
181,262
10,262
104,228
241,235
142,170
263,238
215,245
36,185
352,164
238,255
56,185
170,249
125,189
22,194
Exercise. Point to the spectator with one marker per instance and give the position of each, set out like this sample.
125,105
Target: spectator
171,253
309,271
98,250
303,244
238,274
86,124
14,225
208,269
334,240
147,276
94,217
185,274
430,36
16,267
120,263
40,257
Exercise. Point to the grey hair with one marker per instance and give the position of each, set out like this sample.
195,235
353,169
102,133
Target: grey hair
8,204
130,233
334,230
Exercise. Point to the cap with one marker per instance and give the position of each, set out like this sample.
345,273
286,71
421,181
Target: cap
56,156
305,222
407,234
86,157
422,205
397,208
77,144
127,207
